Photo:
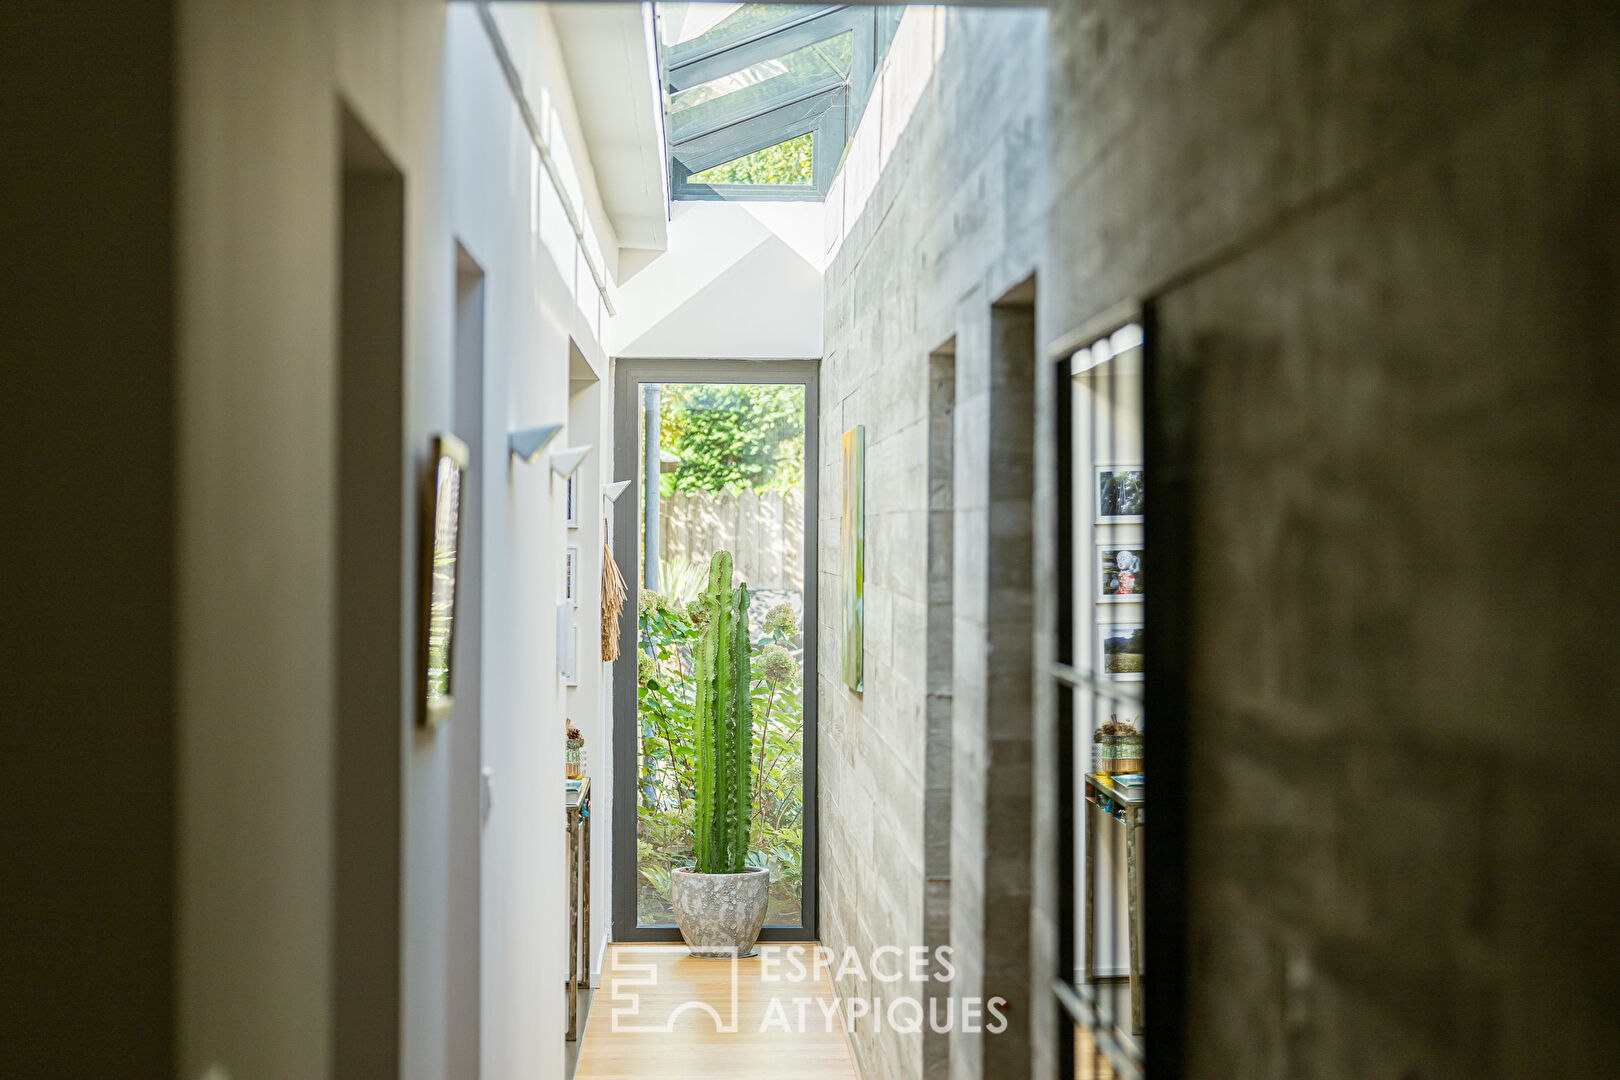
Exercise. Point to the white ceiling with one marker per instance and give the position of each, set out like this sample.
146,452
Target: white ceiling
612,70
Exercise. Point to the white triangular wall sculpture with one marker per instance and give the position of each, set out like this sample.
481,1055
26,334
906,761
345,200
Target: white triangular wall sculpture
528,443
611,492
566,460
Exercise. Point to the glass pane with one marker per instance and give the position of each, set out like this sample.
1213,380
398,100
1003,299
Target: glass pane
785,163
760,87
1109,599
730,478
696,28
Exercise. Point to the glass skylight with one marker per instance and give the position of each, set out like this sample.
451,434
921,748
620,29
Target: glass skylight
763,96
687,29
761,87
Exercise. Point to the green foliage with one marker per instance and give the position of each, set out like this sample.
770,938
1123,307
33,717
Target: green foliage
733,435
670,772
681,580
785,163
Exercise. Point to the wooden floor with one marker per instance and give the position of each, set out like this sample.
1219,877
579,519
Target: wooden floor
662,988
1089,1063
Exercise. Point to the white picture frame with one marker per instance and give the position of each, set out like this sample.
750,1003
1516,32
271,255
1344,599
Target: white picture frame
571,500
1117,583
567,644
571,576
1106,494
1113,664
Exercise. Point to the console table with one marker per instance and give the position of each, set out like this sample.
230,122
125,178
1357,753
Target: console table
579,899
1125,807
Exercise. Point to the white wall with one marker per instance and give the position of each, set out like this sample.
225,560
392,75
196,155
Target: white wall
589,423
542,306
740,280
260,88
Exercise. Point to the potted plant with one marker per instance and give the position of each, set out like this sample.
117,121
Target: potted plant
1117,747
720,900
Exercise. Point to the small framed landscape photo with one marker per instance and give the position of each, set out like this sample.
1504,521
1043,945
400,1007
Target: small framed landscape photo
441,544
1119,494
1120,652
1119,574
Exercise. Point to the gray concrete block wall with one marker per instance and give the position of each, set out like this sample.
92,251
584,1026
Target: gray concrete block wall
953,223
1383,241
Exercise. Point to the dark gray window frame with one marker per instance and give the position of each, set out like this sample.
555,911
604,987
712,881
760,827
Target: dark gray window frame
629,377
825,110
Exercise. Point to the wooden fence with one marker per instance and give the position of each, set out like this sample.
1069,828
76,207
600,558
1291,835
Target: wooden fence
763,532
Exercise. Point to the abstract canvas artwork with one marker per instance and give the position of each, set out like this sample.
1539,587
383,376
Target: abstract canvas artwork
853,563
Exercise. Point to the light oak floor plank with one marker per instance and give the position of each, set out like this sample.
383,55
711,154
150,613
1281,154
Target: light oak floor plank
664,988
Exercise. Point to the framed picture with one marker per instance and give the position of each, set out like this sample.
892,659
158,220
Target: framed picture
1119,574
852,563
1119,494
441,547
1120,652
567,644
571,588
572,500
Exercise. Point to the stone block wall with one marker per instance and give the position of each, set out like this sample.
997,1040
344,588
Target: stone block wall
1383,245
937,215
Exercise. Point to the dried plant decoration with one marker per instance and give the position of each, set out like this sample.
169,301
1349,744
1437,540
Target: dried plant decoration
614,595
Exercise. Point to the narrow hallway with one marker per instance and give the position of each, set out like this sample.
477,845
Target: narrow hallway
661,1012
511,497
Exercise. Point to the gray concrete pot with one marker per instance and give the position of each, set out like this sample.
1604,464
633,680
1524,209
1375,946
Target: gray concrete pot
720,914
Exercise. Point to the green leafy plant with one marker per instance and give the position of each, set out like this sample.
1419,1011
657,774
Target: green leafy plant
681,580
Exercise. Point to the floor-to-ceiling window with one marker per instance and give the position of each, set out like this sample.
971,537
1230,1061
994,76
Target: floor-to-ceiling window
724,455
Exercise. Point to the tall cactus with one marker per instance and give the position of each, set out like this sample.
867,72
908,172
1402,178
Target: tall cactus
725,724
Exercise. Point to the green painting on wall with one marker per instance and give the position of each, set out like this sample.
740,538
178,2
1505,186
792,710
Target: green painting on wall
853,563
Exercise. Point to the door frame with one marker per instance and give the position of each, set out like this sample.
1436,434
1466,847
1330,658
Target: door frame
628,378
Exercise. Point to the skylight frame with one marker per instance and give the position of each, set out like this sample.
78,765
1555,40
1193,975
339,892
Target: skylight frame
822,109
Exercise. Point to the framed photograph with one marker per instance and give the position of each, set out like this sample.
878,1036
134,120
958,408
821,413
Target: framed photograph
1119,574
571,588
441,547
572,498
1120,652
1119,494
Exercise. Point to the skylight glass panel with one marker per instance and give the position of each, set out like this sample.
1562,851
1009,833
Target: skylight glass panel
761,87
787,162
690,29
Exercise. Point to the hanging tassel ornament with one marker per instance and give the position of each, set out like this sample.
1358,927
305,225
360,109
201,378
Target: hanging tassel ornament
614,595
